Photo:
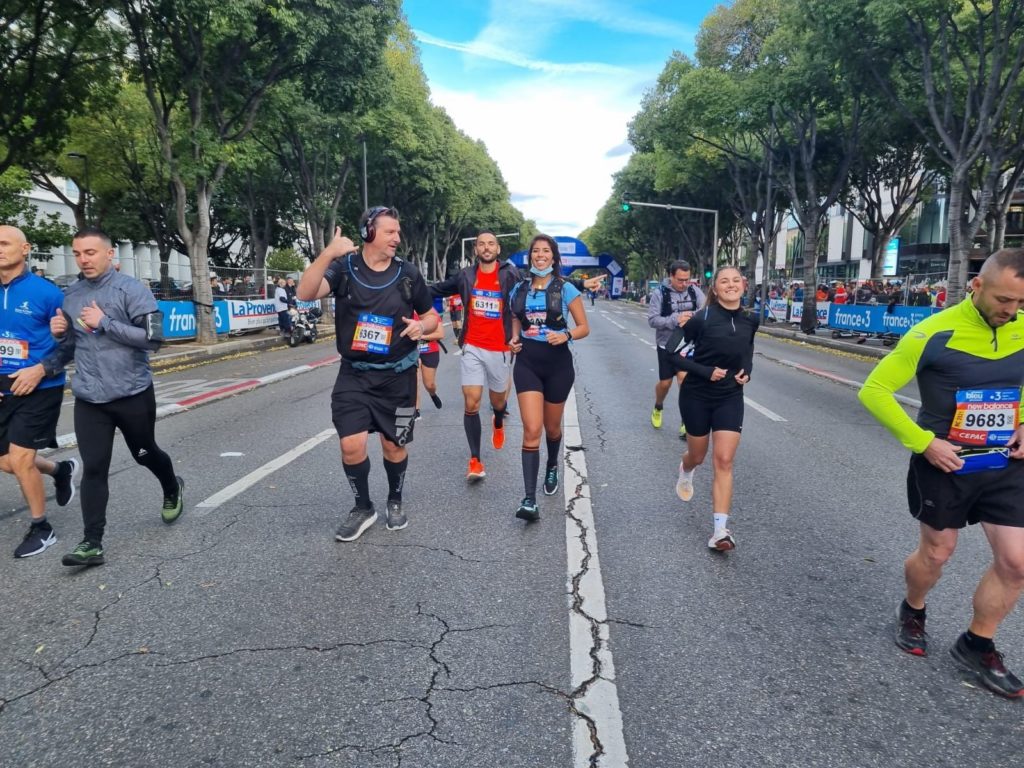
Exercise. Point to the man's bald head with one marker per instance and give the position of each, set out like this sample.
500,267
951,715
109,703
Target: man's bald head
14,249
1006,258
12,232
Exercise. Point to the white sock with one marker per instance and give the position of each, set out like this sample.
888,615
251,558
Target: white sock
720,520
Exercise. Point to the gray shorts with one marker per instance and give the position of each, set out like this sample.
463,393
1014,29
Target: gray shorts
484,368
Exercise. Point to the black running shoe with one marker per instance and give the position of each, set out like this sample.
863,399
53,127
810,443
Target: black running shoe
396,519
551,481
36,541
356,523
910,634
435,400
528,510
989,669
85,553
64,481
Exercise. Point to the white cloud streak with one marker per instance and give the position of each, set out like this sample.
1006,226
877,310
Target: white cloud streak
491,52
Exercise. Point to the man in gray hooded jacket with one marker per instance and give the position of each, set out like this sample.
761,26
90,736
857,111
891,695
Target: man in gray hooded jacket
110,323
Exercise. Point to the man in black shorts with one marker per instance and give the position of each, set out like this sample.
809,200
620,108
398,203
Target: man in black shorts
376,295
31,388
670,306
967,465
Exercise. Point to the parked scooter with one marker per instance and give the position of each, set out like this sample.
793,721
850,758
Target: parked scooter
304,325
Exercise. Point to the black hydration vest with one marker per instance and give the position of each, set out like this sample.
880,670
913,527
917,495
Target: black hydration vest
404,280
666,299
555,319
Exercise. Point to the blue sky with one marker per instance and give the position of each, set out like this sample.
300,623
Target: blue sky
549,86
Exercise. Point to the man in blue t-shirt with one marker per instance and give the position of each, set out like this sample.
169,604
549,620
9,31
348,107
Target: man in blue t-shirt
31,388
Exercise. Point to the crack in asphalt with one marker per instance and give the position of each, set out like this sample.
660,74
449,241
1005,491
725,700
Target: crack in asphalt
596,642
97,618
448,552
590,408
285,648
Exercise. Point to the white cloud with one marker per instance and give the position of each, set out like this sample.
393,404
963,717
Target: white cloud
495,52
553,153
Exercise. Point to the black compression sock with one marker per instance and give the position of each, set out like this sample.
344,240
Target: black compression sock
499,417
531,466
554,448
396,477
907,608
471,421
359,480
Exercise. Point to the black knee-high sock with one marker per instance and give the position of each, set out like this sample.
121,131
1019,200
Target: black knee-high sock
471,421
396,477
554,448
359,480
531,466
499,416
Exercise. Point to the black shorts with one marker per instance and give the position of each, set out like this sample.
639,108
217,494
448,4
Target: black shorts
543,368
375,401
30,421
943,500
702,416
666,369
456,315
430,359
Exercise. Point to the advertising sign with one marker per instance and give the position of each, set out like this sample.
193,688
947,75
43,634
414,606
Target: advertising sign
796,312
866,318
778,309
616,287
892,252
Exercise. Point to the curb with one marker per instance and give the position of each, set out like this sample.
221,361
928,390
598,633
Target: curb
223,349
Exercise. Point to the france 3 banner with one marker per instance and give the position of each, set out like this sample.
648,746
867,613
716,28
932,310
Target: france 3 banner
230,315
876,318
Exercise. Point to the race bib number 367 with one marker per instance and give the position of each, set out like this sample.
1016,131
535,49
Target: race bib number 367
985,417
373,334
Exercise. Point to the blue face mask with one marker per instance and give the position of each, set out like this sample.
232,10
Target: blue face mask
541,272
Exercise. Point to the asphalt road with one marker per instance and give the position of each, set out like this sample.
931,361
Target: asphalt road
245,635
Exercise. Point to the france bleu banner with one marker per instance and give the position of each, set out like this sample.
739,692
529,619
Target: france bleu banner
875,318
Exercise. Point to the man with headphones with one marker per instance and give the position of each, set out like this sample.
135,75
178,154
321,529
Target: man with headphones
376,294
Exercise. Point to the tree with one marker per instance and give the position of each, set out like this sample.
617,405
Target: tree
44,232
53,54
207,67
968,56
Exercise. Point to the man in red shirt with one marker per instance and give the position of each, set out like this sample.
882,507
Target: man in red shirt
487,326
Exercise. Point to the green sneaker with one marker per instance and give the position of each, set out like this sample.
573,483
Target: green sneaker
85,553
656,418
174,504
682,431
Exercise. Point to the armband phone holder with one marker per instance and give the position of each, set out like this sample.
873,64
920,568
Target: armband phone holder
155,326
983,459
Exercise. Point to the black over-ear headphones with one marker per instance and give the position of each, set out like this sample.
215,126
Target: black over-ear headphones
366,230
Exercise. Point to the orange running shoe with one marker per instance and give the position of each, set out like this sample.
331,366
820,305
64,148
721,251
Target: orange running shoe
476,470
498,436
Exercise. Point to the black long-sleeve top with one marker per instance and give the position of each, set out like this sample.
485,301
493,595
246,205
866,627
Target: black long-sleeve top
719,338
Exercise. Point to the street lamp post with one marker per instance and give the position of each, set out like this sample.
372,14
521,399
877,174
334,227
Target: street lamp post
88,187
462,259
669,207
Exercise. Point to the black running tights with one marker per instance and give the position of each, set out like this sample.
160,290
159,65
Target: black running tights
95,423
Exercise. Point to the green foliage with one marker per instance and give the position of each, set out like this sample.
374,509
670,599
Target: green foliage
285,260
44,232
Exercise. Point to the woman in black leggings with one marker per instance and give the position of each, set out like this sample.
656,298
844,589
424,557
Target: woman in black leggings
543,373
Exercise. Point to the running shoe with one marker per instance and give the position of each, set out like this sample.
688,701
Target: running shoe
86,553
528,510
475,471
722,541
910,634
498,435
64,481
416,416
684,485
173,505
551,481
989,669
682,431
356,523
37,540
396,519
656,418
435,400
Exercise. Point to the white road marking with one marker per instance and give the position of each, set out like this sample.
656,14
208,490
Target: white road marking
617,325
270,467
914,403
762,410
600,698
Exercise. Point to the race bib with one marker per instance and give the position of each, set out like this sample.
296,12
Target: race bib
373,334
424,347
486,303
985,417
536,329
13,349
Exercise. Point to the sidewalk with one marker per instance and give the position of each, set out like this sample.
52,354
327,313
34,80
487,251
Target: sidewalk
175,353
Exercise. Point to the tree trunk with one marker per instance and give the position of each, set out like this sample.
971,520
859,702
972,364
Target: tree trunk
956,278
812,231
199,255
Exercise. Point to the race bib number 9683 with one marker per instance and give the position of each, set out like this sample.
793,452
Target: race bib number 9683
985,417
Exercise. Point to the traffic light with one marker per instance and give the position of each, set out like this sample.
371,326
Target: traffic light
626,206
708,274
